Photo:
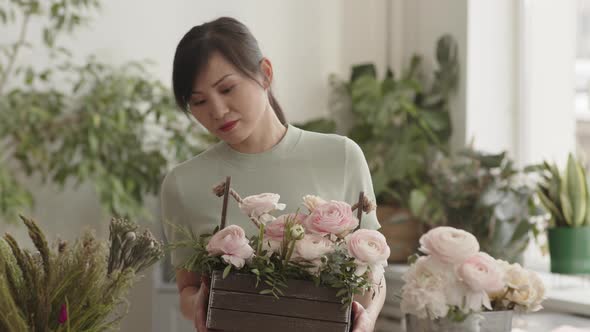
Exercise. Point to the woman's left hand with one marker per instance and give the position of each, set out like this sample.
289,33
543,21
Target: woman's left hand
362,320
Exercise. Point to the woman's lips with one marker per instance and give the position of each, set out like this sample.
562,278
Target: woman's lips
228,126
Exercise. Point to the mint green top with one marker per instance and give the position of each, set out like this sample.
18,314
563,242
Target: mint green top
302,163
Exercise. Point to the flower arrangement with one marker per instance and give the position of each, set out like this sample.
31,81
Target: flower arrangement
454,279
71,287
323,245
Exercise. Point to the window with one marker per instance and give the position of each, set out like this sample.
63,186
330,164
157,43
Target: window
582,78
583,58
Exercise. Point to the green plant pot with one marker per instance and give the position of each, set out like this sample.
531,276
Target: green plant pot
570,249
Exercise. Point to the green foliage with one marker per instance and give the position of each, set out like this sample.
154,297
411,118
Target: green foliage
399,121
320,125
72,123
485,195
34,287
564,194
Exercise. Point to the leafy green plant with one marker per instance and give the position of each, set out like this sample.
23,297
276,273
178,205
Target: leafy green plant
79,287
483,194
399,121
564,194
72,122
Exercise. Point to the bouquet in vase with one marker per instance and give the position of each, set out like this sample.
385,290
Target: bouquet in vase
322,246
453,280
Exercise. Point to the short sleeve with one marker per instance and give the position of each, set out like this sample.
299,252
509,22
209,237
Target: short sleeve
357,178
173,213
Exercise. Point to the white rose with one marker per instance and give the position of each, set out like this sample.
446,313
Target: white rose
425,291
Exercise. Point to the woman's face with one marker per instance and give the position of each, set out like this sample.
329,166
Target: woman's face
227,103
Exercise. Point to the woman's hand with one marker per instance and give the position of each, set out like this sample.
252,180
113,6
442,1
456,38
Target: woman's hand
201,301
362,320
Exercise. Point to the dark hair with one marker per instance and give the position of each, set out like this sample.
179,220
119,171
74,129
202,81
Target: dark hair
232,40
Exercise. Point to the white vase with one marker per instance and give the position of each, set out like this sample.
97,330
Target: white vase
492,321
496,321
470,324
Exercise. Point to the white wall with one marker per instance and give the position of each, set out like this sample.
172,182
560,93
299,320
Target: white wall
547,119
423,22
516,82
492,75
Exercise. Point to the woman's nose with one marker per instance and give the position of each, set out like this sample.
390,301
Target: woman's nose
218,108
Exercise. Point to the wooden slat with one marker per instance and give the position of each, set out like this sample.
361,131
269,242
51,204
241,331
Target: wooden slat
268,304
227,320
296,288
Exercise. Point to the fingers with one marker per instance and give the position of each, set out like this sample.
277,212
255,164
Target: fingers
358,310
201,306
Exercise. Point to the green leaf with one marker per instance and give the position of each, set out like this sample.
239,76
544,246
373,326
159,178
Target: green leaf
577,193
341,292
566,207
266,291
417,202
226,271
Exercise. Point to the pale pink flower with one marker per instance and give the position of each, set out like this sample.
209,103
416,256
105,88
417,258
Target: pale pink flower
481,273
259,206
370,250
275,229
311,202
448,244
332,217
232,245
310,249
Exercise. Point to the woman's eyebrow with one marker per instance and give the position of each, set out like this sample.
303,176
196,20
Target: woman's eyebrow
216,83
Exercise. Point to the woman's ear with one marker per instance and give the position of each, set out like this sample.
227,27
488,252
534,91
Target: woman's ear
266,70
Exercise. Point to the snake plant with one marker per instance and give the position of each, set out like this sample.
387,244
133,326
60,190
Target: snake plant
564,194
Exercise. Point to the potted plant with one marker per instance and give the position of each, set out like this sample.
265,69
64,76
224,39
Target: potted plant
78,119
398,122
564,194
485,195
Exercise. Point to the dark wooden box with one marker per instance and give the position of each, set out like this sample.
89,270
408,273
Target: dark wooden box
235,305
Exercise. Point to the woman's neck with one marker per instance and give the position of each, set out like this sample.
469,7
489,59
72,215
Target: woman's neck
266,135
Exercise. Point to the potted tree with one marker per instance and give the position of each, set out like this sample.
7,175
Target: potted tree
565,197
485,195
398,122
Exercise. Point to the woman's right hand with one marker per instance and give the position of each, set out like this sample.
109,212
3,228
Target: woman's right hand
201,302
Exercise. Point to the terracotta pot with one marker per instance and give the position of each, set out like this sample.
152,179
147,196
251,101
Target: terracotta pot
402,236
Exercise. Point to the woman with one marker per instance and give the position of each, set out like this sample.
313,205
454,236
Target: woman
221,78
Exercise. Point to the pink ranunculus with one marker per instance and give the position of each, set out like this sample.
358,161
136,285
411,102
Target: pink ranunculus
448,244
311,202
260,205
275,229
231,244
332,217
481,273
370,250
312,247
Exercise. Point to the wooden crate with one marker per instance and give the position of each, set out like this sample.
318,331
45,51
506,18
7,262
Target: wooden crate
235,305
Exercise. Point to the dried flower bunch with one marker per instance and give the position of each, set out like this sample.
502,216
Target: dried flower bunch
71,287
